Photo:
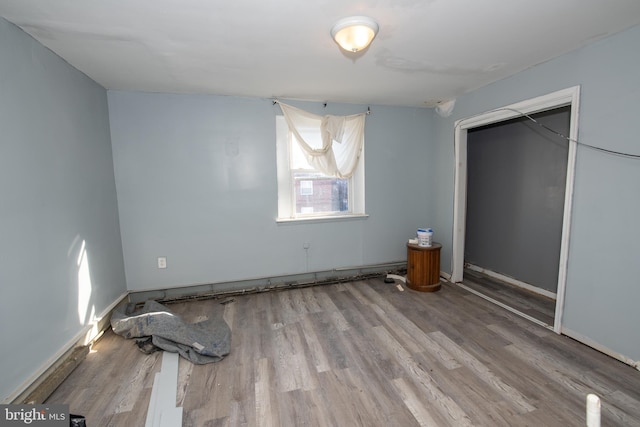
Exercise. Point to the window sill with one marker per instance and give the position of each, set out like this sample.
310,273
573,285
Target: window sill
321,219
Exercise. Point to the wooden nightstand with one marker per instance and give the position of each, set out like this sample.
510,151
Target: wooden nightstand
423,267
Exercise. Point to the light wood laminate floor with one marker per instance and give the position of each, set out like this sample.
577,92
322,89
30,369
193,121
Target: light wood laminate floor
364,354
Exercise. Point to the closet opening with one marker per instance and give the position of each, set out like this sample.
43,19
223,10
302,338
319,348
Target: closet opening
513,190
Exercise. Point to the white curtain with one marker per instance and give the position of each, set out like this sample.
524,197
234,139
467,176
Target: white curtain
348,131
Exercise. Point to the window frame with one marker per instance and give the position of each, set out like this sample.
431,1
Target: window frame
286,184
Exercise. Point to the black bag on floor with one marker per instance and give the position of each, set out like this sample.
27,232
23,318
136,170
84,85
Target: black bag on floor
77,421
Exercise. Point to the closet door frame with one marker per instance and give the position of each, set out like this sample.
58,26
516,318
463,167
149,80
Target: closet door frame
566,97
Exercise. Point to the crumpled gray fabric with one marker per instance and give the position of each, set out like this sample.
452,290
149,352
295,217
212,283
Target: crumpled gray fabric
203,342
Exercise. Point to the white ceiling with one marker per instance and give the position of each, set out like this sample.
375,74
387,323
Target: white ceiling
425,51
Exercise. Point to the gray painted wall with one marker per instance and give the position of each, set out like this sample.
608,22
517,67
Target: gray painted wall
603,269
196,180
57,190
516,178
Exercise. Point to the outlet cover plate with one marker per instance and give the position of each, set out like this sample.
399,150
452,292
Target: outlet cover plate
162,262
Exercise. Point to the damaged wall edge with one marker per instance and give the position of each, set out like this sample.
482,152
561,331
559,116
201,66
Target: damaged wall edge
39,386
213,290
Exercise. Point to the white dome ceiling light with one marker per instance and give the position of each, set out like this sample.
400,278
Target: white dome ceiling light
354,33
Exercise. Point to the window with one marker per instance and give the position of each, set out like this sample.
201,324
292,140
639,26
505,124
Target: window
305,192
306,188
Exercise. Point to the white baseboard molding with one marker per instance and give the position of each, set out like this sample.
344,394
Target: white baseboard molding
512,281
86,336
601,348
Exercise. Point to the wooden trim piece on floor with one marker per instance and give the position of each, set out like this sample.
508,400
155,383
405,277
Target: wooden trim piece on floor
50,375
162,411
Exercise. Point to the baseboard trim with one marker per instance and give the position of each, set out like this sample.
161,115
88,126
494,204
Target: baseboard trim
601,348
512,281
46,379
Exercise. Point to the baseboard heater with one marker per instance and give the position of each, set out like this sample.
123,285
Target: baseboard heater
302,280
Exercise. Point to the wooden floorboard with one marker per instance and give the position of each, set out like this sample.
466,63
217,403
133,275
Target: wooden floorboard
530,303
363,354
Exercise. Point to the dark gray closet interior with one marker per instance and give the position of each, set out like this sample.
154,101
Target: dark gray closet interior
515,197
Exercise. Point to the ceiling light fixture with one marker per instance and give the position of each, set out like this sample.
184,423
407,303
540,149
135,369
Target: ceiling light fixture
354,33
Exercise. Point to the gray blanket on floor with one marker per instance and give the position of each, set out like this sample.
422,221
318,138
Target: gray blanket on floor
156,327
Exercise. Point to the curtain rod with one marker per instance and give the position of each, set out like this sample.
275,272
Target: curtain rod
324,105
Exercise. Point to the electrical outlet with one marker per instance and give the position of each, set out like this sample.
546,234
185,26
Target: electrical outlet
162,262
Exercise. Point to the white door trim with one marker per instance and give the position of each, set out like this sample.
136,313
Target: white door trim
566,97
